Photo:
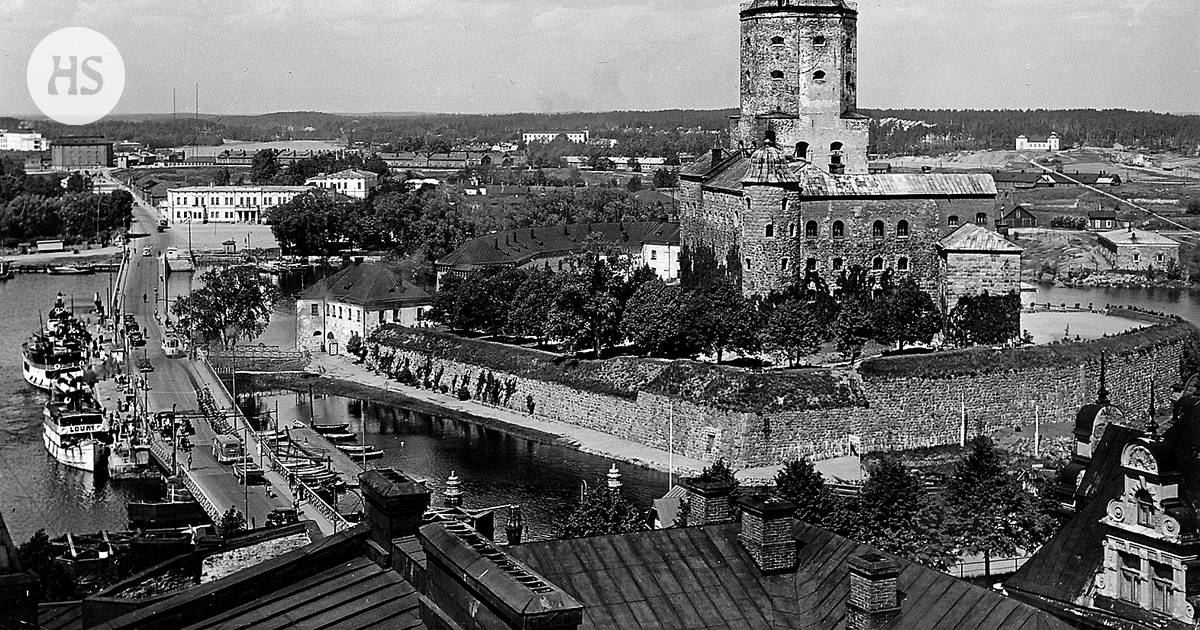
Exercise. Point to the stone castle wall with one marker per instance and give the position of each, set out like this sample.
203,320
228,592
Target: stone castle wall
905,404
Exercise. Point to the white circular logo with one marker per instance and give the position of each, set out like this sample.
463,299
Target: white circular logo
75,75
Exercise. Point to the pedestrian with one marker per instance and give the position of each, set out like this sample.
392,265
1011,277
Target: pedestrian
189,462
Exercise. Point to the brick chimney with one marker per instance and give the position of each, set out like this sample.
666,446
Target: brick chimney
394,504
873,598
767,533
708,501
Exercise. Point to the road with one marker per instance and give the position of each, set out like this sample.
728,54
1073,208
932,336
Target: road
173,384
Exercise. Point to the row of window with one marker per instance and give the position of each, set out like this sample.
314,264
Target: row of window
818,76
837,265
230,201
812,229
818,41
214,215
1161,578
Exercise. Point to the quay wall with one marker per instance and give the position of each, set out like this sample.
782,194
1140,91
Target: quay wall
763,418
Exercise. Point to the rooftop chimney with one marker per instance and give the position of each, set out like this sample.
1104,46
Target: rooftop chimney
873,598
395,504
708,501
717,154
767,533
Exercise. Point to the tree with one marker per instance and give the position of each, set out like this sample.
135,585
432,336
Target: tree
891,513
1191,205
264,168
529,311
987,509
852,327
718,472
232,303
794,329
77,183
985,319
221,177
634,184
907,315
311,224
375,164
800,483
232,522
354,345
603,511
664,178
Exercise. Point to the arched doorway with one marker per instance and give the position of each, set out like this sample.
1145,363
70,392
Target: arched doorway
331,344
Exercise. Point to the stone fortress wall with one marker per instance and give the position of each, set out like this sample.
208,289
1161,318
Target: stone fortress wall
891,403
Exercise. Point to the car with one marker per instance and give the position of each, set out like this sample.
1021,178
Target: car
146,251
144,365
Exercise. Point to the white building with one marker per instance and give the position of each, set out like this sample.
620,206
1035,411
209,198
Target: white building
660,251
351,182
1051,143
531,137
22,140
227,204
356,301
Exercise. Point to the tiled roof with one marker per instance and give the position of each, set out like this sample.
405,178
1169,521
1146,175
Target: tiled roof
1134,236
372,285
702,578
517,247
975,238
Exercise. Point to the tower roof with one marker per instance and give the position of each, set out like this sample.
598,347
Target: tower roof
751,7
768,165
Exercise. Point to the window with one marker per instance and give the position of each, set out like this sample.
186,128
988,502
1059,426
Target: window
1136,257
952,221
783,264
810,229
1131,573
819,41
877,229
877,264
1160,258
315,310
792,230
653,254
802,150
776,41
783,206
981,218
837,264
770,231
339,312
902,229
902,264
839,229
777,75
850,79
747,264
1145,508
810,264
1162,588
819,76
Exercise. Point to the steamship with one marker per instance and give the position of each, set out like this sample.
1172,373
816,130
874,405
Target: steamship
57,351
74,428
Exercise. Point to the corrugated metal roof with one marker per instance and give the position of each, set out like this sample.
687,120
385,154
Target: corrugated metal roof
976,238
701,578
815,183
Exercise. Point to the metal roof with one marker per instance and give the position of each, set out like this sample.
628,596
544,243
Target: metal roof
371,285
1134,236
976,238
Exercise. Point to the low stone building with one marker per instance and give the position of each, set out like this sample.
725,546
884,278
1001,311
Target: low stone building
1132,249
357,299
973,260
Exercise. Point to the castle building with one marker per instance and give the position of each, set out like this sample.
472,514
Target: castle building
796,195
1051,143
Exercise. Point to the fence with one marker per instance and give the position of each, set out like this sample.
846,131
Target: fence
159,451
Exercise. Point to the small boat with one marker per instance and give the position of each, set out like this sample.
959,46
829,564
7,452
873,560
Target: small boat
358,451
69,270
340,437
105,267
333,427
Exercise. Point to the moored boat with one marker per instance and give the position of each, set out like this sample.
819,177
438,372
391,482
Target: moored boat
69,270
332,427
6,271
74,430
358,451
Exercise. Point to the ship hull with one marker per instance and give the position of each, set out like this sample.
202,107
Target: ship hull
43,378
84,453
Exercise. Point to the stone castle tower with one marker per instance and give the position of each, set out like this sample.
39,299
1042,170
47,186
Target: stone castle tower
799,73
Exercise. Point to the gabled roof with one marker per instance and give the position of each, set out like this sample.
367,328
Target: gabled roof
346,173
370,285
517,247
1017,177
1134,236
976,238
1017,212
702,577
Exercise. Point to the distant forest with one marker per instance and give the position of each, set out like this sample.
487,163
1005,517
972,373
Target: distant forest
639,133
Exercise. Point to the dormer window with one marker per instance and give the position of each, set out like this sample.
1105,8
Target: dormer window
1145,509
1131,574
1163,587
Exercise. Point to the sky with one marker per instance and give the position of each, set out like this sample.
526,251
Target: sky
491,56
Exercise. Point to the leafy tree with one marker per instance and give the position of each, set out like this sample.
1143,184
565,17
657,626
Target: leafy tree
264,168
354,345
232,303
730,321
311,224
985,319
718,472
800,483
664,178
77,183
232,522
891,513
602,511
987,509
665,321
221,177
375,164
634,184
907,315
852,327
529,311
794,329
481,301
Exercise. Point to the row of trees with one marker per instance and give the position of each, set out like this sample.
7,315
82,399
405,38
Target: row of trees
268,169
984,509
33,207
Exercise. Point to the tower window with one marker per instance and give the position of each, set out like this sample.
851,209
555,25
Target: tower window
877,229
819,76
981,218
777,75
1145,509
902,229
877,264
802,150
849,79
837,264
952,221
770,231
792,230
783,207
783,264
810,264
819,41
810,229
839,229
747,267
777,40
902,264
